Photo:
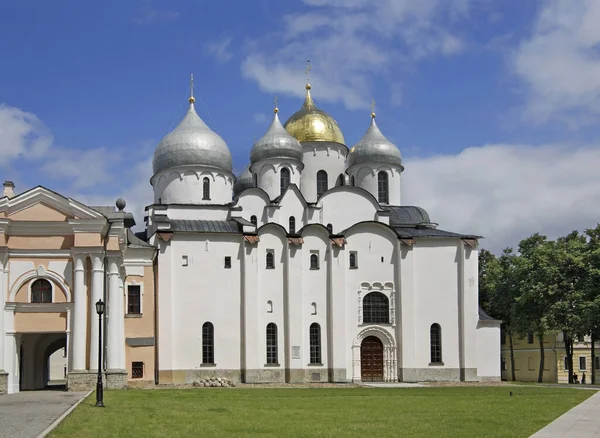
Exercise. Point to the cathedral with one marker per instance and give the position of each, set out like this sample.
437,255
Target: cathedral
306,267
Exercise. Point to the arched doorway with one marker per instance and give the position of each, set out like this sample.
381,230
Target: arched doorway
371,359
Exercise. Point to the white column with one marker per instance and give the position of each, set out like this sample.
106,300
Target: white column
79,327
3,271
97,292
115,337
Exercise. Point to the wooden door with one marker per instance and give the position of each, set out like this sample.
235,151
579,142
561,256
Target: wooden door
371,360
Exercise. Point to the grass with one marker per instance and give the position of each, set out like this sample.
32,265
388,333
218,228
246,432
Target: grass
414,412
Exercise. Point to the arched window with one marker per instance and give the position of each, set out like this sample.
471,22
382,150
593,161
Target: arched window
314,261
435,336
284,179
352,181
255,179
340,180
271,343
41,291
270,260
330,228
208,343
315,343
206,189
253,220
376,308
292,226
321,182
353,264
382,188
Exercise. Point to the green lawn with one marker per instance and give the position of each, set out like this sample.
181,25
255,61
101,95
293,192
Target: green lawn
372,412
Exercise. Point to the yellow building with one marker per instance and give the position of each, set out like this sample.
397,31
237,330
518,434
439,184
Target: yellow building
527,359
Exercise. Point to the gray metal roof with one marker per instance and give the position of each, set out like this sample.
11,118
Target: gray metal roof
276,143
204,226
430,233
374,148
403,216
192,142
484,316
135,241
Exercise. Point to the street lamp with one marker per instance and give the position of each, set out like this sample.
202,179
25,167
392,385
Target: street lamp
99,390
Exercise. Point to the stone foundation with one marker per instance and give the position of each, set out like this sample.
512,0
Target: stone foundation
85,380
3,382
433,374
191,376
115,379
264,375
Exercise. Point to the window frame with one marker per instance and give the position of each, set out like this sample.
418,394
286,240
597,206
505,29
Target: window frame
208,343
227,262
272,350
378,313
383,187
31,291
285,179
314,339
314,261
353,264
584,368
530,338
137,365
141,294
206,188
292,225
254,220
322,183
435,344
270,261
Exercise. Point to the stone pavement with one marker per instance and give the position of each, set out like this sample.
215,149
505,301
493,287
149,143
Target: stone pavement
583,421
28,413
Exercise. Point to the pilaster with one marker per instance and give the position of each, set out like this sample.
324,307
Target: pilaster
97,294
79,328
115,340
296,332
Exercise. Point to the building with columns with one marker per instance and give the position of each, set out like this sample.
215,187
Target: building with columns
306,267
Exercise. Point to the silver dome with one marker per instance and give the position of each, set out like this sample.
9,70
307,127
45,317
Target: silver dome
374,148
192,142
276,143
243,181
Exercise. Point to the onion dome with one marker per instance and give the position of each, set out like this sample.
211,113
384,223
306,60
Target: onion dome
192,142
276,143
243,181
311,124
374,148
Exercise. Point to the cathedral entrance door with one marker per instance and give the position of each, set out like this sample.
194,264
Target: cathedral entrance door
371,360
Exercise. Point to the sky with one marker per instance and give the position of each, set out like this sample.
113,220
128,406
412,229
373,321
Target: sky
494,104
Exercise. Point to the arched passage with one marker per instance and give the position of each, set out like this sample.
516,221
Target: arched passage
35,360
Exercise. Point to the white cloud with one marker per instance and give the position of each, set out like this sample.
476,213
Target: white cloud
220,49
507,192
349,42
560,62
149,14
84,168
22,135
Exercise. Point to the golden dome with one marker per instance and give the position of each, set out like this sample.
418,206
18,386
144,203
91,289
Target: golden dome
311,124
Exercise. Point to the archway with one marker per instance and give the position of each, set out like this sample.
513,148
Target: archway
371,359
40,367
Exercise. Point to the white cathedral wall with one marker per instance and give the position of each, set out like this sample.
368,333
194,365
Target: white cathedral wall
268,175
253,202
192,212
184,185
330,157
488,351
366,177
205,291
344,208
291,205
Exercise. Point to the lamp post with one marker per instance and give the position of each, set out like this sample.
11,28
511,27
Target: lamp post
99,390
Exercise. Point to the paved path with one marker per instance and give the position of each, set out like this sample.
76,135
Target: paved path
583,421
28,413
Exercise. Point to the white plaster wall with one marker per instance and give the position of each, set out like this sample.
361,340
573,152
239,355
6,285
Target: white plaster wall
436,299
330,157
269,175
470,311
184,185
488,350
366,177
57,363
345,207
291,205
64,268
270,287
253,202
16,268
216,213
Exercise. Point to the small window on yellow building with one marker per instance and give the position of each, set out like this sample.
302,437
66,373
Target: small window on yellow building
582,363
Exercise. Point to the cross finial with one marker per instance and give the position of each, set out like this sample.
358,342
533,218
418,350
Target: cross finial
373,108
276,110
191,99
307,73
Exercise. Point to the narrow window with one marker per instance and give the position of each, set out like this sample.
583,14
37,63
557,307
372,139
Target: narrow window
272,343
269,306
227,262
41,291
285,179
292,224
566,363
134,299
352,181
315,343
314,308
436,343
314,261
321,182
530,338
137,370
184,260
376,308
208,343
340,180
582,363
253,220
270,260
255,179
330,228
382,187
353,260
206,189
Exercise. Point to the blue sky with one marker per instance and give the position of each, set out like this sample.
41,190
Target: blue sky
494,104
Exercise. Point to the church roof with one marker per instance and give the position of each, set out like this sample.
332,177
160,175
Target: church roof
484,316
404,232
135,241
204,226
402,216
